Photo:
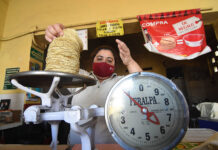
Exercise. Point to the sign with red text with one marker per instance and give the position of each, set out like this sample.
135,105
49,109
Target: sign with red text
109,28
178,34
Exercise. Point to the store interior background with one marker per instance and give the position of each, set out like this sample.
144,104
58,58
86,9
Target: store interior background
195,78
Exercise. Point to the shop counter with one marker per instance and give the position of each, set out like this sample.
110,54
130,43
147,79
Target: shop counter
194,138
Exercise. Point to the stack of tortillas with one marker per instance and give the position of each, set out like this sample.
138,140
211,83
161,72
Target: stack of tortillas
64,53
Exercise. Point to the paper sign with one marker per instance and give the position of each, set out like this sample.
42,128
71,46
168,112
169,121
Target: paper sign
7,83
109,28
83,34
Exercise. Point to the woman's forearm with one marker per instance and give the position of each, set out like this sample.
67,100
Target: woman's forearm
133,66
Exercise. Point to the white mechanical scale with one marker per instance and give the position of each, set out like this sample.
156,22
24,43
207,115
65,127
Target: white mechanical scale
54,110
143,111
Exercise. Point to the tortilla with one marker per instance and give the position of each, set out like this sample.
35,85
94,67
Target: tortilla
64,53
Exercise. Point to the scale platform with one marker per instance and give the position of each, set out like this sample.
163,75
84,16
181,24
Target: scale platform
41,79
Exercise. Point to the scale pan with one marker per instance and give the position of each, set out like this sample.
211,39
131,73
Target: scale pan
41,79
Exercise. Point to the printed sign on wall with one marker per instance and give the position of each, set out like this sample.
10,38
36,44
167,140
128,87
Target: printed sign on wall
109,28
178,35
7,83
83,34
36,54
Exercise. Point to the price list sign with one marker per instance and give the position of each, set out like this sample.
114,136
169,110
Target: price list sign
7,83
109,28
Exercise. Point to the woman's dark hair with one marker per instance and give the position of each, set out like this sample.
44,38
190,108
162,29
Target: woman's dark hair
105,47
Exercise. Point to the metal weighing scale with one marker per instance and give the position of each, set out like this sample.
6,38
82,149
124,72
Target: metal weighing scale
52,109
143,110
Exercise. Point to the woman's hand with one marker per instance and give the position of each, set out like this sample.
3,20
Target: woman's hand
124,52
54,31
126,57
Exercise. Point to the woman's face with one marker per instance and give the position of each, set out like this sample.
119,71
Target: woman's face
105,55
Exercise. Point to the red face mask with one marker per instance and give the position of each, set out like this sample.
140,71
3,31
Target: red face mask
102,69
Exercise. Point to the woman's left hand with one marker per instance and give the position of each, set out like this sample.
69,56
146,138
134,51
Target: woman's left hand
124,52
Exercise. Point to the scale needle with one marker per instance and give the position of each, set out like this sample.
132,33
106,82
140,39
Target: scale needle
144,110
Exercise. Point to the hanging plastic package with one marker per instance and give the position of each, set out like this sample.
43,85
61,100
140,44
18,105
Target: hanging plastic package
179,35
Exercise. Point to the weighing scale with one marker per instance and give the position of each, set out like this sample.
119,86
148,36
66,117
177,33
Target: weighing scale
143,110
146,111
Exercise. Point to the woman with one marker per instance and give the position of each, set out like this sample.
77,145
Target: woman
103,71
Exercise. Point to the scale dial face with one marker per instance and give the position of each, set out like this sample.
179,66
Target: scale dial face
146,111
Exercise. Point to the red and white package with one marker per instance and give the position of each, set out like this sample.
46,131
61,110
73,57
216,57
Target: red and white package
178,35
